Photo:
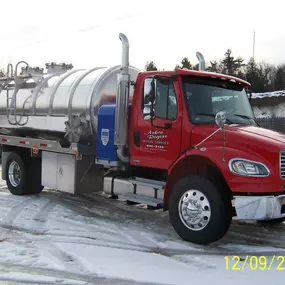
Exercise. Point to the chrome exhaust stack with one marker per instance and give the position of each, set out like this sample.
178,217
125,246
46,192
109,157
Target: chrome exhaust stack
122,102
201,61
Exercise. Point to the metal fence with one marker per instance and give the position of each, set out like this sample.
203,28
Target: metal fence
275,124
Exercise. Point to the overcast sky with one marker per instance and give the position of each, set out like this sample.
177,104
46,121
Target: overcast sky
85,32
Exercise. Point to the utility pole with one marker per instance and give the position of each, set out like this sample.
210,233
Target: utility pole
253,50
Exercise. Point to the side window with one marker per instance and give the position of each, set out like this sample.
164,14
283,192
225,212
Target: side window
165,105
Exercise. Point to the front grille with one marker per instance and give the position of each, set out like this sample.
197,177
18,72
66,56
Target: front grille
282,164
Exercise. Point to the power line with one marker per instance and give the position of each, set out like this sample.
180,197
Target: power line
253,49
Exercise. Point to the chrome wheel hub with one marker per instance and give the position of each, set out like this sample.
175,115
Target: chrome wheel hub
194,210
14,173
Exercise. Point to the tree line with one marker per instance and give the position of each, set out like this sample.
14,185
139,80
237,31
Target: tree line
263,77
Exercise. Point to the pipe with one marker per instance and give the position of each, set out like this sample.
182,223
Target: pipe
122,102
125,53
201,61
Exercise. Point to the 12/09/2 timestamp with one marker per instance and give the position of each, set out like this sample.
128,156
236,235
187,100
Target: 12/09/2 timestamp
237,263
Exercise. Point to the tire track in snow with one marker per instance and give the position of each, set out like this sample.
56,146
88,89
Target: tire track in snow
15,211
56,255
41,217
238,233
89,278
133,237
163,250
125,216
234,235
138,238
71,206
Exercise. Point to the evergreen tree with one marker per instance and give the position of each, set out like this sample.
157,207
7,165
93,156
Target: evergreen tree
150,66
254,75
230,65
268,76
280,78
263,77
214,67
185,63
196,66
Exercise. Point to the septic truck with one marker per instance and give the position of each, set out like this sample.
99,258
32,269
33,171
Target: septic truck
182,140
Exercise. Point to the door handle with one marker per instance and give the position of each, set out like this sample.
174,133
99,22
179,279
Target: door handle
167,125
137,139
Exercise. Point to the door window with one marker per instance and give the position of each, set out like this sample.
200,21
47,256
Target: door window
165,104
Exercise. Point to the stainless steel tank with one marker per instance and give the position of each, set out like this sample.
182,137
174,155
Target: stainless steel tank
76,94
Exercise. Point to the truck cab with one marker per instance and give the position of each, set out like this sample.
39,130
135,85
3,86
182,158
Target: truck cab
184,110
195,132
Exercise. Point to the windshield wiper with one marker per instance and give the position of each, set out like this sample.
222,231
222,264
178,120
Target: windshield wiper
212,115
243,116
246,117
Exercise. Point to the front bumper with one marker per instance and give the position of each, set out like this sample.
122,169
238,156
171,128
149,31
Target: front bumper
260,207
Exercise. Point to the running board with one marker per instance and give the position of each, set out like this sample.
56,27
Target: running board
136,189
139,199
147,182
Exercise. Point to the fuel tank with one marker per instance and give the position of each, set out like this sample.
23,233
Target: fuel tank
53,102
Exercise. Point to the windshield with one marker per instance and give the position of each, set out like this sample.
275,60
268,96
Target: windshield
205,97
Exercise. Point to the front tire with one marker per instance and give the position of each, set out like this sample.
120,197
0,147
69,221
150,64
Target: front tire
23,175
198,211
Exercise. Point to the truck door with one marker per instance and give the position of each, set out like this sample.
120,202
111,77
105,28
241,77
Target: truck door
157,142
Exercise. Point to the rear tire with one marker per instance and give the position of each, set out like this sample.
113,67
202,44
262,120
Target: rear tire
198,211
23,174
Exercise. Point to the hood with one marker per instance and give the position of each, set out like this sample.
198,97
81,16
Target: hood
245,138
258,133
243,141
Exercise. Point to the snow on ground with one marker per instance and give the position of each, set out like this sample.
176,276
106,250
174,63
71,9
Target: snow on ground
268,94
58,238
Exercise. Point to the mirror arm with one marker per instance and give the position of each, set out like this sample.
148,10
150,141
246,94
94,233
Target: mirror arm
208,137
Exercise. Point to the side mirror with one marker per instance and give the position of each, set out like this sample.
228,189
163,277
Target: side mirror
152,91
220,119
249,95
149,98
147,112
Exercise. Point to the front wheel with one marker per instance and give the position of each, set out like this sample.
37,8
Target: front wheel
198,211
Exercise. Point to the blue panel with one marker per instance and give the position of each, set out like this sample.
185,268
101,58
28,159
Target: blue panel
105,148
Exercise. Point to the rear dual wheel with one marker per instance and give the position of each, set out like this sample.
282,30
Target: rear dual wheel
198,210
23,174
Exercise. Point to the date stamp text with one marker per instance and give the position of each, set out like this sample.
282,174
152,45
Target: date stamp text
254,263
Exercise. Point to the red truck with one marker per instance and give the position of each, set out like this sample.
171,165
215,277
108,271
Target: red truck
183,140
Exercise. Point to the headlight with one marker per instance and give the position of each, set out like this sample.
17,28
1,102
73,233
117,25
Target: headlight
248,168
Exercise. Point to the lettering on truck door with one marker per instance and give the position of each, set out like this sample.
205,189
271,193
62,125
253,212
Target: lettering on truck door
158,143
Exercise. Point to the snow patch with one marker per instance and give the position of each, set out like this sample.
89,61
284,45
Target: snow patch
38,279
268,94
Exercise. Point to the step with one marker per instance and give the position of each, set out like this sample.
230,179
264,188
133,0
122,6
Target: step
147,182
141,199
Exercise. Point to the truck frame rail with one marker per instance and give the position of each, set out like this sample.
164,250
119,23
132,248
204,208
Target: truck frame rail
37,145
